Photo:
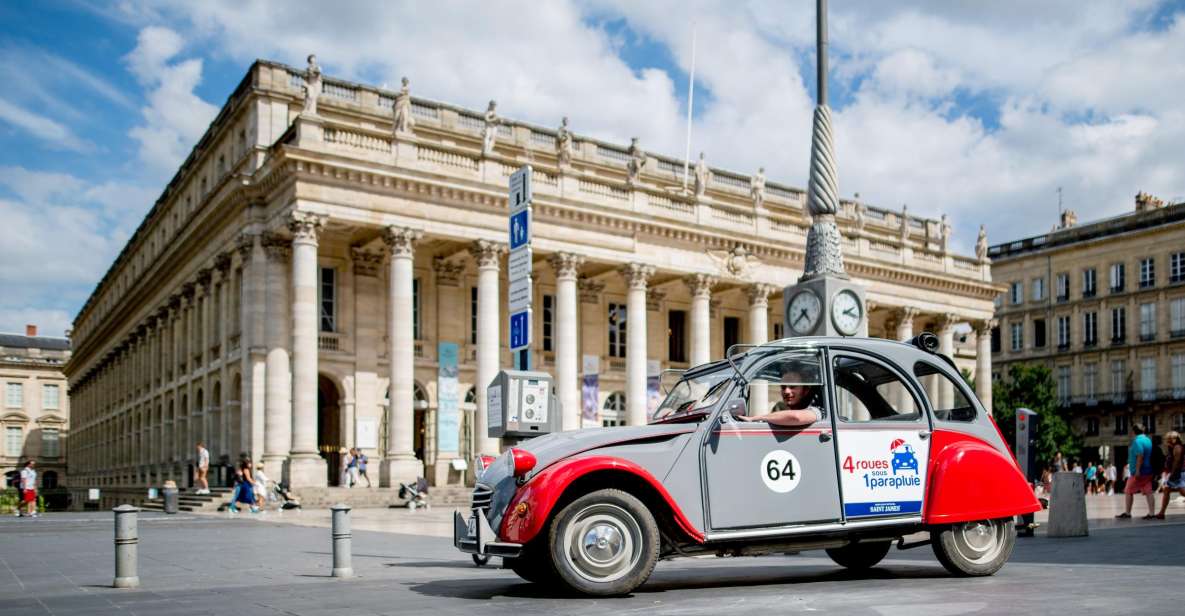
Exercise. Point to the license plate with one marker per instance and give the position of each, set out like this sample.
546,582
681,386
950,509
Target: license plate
472,526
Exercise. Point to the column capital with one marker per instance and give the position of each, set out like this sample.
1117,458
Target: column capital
637,275
244,243
654,299
447,274
306,227
401,241
487,253
906,313
565,264
947,321
366,263
203,280
222,263
590,290
700,285
984,327
759,294
276,247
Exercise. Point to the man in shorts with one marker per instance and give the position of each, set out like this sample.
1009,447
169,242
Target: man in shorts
1139,463
29,489
203,469
796,408
1174,460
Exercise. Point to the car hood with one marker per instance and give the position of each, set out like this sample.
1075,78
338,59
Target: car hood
552,448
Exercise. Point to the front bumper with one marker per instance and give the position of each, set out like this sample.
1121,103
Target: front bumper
474,536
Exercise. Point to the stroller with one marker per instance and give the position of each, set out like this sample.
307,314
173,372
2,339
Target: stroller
287,499
415,494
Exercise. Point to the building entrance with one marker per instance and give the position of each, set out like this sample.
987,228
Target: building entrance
329,431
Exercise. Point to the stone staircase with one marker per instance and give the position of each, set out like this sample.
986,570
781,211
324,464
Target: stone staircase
319,498
191,502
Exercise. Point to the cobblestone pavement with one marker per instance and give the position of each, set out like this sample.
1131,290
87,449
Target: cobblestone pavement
190,564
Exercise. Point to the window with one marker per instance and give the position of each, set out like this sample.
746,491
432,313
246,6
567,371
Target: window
777,331
50,397
14,441
1088,282
416,311
1179,422
950,404
548,321
1092,426
1017,292
1177,317
1118,324
1149,422
1063,333
1090,381
1121,424
327,294
1119,381
473,315
613,412
1117,277
1090,328
1147,322
49,442
789,369
867,391
996,344
1038,289
1018,337
1063,287
1148,378
49,480
1147,272
1178,375
998,301
617,324
14,395
1177,267
732,332
677,335
1063,384
1039,333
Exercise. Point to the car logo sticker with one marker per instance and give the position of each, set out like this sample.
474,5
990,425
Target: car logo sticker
883,472
780,471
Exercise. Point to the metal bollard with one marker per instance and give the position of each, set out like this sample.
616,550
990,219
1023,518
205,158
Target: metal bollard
341,541
127,538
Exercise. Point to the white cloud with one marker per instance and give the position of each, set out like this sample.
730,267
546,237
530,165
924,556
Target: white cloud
55,135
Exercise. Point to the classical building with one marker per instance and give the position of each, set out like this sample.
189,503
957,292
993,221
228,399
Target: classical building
36,412
1103,306
329,242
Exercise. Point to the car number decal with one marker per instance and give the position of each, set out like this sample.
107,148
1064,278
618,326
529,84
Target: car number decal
780,471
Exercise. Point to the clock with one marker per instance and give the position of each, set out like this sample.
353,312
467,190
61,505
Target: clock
846,312
804,312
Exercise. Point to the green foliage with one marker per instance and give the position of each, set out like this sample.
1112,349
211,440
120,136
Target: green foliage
9,500
1032,386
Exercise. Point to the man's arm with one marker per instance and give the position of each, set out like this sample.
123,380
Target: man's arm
1139,464
804,417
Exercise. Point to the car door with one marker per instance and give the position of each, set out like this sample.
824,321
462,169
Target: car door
761,475
883,438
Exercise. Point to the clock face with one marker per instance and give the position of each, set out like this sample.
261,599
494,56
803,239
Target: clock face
846,312
805,309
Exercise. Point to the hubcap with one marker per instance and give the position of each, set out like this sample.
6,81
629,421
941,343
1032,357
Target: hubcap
602,542
980,541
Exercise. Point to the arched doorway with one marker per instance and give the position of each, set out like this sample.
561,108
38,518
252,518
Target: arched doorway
613,411
329,431
419,421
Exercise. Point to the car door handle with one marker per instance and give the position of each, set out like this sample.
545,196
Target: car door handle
924,434
824,437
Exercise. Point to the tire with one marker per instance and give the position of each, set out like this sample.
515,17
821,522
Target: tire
604,543
859,556
481,559
974,548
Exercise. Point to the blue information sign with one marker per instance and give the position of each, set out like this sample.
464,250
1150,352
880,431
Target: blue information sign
520,228
520,330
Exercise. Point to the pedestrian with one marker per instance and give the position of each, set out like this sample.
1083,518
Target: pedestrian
262,493
203,469
1174,459
362,460
244,488
1111,475
1091,476
1077,467
1059,464
343,479
28,490
353,467
1139,463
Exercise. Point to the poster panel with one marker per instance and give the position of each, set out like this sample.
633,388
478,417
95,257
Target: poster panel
448,422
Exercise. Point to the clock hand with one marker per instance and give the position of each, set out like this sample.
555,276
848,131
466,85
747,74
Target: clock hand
801,314
850,312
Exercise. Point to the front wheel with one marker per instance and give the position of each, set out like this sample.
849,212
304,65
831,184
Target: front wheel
860,555
604,543
974,548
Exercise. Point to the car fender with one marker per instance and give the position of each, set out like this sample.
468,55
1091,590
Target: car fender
972,480
533,503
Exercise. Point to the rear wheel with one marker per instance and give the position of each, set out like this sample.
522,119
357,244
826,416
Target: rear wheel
974,548
860,555
604,543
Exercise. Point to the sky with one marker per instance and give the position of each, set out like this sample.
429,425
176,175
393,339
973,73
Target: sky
979,110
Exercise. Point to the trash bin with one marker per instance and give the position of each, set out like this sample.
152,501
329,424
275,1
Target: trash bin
170,496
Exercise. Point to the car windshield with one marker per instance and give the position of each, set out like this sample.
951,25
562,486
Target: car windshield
694,393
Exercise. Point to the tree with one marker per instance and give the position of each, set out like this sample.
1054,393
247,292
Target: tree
1031,386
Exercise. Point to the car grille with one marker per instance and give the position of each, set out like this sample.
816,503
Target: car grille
482,496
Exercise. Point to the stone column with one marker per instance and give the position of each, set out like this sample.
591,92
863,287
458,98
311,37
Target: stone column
983,362
700,286
488,255
759,334
946,346
904,318
636,276
306,466
400,463
277,390
567,362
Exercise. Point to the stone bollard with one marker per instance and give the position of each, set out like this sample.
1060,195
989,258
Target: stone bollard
127,538
1067,506
341,541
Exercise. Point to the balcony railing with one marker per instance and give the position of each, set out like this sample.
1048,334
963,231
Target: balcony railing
1147,336
1147,284
1087,293
1117,289
1090,343
1177,333
1063,298
1118,340
1064,346
329,341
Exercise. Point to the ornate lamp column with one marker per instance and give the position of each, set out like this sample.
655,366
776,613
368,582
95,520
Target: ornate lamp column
489,256
306,467
636,275
565,265
983,362
400,463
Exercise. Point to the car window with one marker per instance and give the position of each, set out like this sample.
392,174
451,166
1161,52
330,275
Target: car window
694,393
868,391
799,368
945,396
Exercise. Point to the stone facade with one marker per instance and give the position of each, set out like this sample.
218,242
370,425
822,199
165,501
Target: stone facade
301,265
1103,306
35,411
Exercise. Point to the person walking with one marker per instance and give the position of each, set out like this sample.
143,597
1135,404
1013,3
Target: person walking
343,479
202,470
362,460
1174,459
1139,463
28,490
244,488
1092,472
1110,475
353,467
262,492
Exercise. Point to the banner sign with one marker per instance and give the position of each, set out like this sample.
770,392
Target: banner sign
447,402
589,393
653,376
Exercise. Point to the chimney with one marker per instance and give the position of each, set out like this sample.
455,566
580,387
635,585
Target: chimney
31,330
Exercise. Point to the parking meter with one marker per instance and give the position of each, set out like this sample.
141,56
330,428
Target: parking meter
522,404
1026,458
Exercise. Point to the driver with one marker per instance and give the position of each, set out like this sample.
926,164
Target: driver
798,404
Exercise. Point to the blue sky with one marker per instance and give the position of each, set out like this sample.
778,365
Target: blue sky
977,110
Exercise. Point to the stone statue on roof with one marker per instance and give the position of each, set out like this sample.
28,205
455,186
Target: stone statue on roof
637,160
312,85
702,176
904,223
945,233
489,132
404,121
563,143
757,188
981,244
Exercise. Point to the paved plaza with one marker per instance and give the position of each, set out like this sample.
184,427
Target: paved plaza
279,564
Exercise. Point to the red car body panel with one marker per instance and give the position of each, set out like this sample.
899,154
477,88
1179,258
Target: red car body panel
972,480
521,524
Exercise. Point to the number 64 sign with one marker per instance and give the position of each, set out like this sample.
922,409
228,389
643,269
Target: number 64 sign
780,471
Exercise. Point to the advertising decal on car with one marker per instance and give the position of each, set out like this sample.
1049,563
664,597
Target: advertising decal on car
883,472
